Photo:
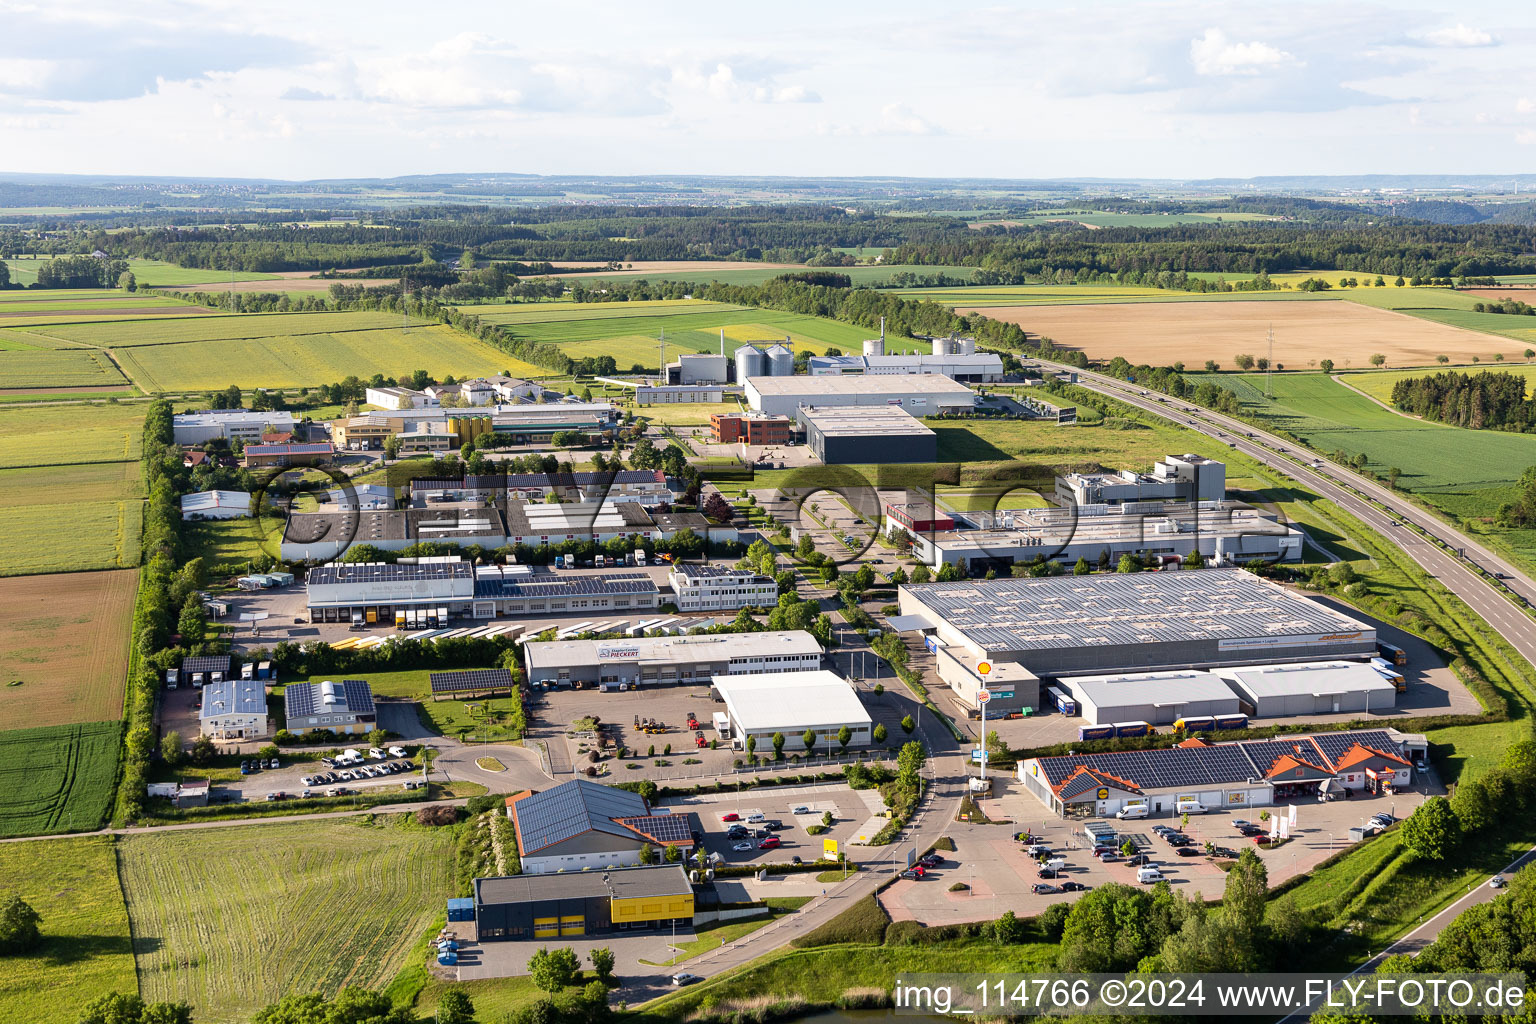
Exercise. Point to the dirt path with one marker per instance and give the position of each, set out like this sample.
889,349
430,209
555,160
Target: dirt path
1339,378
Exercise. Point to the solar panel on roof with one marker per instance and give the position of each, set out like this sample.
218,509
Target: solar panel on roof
665,828
471,679
208,663
359,696
299,700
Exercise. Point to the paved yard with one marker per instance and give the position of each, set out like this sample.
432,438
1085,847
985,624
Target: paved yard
849,809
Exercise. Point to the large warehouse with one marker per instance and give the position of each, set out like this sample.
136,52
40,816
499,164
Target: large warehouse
572,903
866,434
1159,698
670,660
1318,688
1109,623
580,825
790,703
1248,773
919,394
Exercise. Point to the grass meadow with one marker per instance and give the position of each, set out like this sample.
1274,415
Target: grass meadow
148,274
447,717
87,948
231,919
64,434
151,331
747,273
1379,384
57,778
57,368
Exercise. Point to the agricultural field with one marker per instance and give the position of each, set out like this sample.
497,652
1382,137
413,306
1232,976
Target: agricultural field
703,272
1379,384
1162,333
71,536
592,329
60,435
231,919
308,359
58,368
222,328
57,778
87,948
64,653
222,541
148,274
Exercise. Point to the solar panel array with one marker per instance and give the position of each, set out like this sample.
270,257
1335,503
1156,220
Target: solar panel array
664,828
572,808
388,572
1220,764
1073,611
209,663
471,679
567,586
359,696
299,700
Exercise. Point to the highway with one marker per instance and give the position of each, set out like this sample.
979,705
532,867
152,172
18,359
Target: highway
1345,488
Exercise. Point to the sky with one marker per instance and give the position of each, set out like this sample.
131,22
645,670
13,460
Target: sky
1175,89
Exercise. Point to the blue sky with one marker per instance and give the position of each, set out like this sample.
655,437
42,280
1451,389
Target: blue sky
334,88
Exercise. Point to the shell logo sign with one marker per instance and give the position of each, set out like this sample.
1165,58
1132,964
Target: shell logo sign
984,667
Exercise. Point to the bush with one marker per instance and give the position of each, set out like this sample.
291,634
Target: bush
864,922
1054,920
437,815
944,843
959,887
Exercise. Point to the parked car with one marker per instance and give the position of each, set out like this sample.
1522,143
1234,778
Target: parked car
245,767
1138,860
1043,889
396,751
1240,823
796,860
931,860
913,873
1190,851
1250,830
274,763
800,809
1073,887
1048,873
757,816
1224,851
1261,839
775,825
730,816
1024,837
741,847
770,843
685,979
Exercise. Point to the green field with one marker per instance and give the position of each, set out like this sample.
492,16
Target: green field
57,778
1379,384
1518,329
71,535
149,331
57,368
87,948
148,273
232,919
1111,219
593,329
446,717
308,359
752,274
1082,295
64,434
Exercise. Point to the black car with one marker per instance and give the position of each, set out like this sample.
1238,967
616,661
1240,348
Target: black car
1073,887
1223,851
1138,860
775,826
1190,851
931,860
1047,873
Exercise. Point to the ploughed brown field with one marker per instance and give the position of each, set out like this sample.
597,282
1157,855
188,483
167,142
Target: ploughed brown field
1162,333
283,281
64,649
1523,292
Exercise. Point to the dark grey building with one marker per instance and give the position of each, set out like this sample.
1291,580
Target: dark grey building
866,434
523,907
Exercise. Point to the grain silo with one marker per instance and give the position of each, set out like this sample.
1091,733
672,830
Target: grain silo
874,347
781,362
967,347
941,346
750,362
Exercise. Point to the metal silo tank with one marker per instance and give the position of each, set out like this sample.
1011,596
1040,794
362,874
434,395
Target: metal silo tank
781,362
750,362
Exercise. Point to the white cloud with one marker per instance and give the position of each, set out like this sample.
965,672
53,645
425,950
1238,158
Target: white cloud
739,82
1526,138
1459,35
900,119
1215,53
1525,105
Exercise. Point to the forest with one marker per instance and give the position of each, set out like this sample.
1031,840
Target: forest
1482,401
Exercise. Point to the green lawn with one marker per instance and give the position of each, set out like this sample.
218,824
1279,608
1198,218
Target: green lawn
1378,384
232,919
479,719
87,948
148,273
712,936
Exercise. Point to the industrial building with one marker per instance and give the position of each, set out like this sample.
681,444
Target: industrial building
396,398
215,505
1175,478
972,368
234,709
345,707
750,428
255,455
669,394
670,661
920,395
450,428
764,359
1225,533
375,591
574,903
694,368
362,496
646,486
792,703
189,428
1315,688
1233,776
714,588
868,434
1038,408
1115,623
915,517
1157,698
582,826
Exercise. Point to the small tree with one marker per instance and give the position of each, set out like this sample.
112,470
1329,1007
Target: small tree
880,733
455,1007
1377,359
602,964
193,623
827,819
1432,831
1008,930
907,725
809,738
1243,361
751,746
18,926
554,969
1211,366
673,854
1128,563
203,751
844,735
1327,365
1082,568
1193,560
170,748
1442,360
378,737
778,746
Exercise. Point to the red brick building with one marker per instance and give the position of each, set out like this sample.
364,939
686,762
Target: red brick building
731,427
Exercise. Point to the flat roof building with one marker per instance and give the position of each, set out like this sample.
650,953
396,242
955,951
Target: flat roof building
1115,623
676,394
750,428
915,517
1157,698
505,590
1234,776
215,505
670,661
522,908
226,424
974,367
705,588
345,707
920,395
870,434
235,709
1175,478
1313,688
1041,409
394,398
758,706
287,454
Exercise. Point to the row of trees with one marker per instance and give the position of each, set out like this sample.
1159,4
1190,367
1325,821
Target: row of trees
1489,400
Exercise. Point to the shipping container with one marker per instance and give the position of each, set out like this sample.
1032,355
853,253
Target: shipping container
1095,732
1396,655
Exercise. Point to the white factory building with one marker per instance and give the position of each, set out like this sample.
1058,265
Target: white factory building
918,394
215,505
985,367
791,703
1175,478
1158,698
714,588
670,660
190,428
1316,688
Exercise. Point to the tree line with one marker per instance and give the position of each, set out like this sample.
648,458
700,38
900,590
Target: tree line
1490,400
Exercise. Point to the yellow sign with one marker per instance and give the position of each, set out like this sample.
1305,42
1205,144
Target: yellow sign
1103,794
829,848
984,667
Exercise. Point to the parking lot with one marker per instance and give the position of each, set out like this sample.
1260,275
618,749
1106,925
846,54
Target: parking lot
999,875
850,811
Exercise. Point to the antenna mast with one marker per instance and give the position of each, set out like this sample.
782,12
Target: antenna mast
1269,367
663,355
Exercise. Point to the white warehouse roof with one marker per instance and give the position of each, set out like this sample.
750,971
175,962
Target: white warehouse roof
1159,689
790,702
1316,678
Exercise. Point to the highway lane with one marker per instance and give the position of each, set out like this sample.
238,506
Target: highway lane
1340,485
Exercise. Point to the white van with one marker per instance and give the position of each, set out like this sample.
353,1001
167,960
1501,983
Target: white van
1056,863
1149,875
1133,811
375,752
1190,807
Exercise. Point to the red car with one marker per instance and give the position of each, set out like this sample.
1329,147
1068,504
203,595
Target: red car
730,816
769,843
1261,839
